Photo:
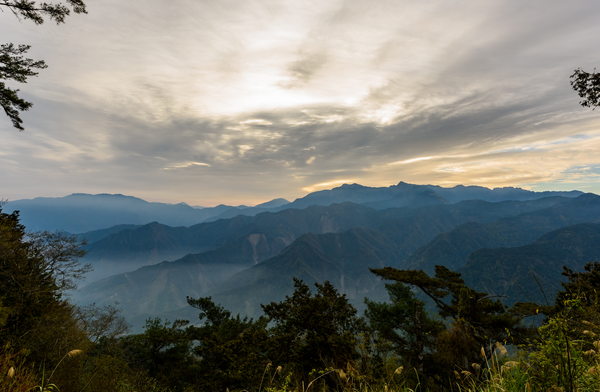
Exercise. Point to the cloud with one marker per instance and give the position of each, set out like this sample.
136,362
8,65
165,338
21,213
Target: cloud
323,185
410,161
244,104
186,165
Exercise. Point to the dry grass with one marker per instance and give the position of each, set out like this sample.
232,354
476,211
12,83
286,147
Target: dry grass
14,375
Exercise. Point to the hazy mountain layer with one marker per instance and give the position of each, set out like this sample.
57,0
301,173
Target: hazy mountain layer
251,240
451,249
523,272
152,243
349,253
80,213
403,194
412,232
97,235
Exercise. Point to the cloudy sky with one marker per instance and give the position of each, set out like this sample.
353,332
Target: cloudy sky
234,101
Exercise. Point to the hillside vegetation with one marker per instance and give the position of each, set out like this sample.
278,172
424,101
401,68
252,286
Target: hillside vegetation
310,340
435,295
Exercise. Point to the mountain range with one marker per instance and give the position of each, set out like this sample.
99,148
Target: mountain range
149,257
452,248
349,255
79,212
533,272
238,281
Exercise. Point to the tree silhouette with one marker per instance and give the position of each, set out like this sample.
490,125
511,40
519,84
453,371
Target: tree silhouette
13,66
587,86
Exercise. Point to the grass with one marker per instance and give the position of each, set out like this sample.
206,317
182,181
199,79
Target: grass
14,375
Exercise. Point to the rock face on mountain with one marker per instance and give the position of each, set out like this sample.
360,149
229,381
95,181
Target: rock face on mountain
149,244
341,258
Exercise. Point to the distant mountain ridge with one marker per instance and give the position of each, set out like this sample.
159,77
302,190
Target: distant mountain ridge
149,244
79,213
244,256
402,194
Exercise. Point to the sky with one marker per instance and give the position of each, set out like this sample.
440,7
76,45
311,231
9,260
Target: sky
240,102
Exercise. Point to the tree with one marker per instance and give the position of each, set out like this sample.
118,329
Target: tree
581,284
565,351
477,319
59,254
587,86
102,323
34,272
163,352
314,332
406,325
578,298
13,66
232,349
489,319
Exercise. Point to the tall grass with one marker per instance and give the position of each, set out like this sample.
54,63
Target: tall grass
15,376
521,371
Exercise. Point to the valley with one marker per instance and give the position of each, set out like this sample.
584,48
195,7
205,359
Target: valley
243,261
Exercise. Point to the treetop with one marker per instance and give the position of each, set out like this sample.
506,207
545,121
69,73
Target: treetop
31,9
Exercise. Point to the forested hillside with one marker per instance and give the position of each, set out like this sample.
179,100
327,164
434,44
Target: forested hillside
397,233
313,339
452,248
533,272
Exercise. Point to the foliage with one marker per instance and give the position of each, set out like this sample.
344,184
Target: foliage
34,271
307,342
487,318
583,285
564,354
562,360
314,332
60,253
162,350
13,66
232,349
406,325
28,9
587,86
567,348
474,320
101,324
